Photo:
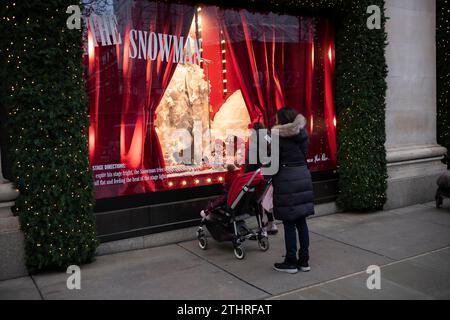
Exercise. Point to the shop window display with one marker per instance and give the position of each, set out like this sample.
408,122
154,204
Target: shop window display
175,81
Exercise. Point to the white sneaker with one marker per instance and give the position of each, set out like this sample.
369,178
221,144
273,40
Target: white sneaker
271,228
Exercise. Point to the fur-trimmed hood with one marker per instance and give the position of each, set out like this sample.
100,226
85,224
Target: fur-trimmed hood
293,128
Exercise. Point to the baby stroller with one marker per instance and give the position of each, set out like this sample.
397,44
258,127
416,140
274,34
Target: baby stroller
227,222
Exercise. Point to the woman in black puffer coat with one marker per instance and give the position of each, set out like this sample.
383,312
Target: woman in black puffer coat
293,197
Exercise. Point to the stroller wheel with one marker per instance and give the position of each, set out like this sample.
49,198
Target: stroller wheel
239,253
203,243
263,244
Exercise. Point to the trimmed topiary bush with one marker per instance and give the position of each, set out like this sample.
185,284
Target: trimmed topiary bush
43,95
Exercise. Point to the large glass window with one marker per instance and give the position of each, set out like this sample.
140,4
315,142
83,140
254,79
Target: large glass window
167,83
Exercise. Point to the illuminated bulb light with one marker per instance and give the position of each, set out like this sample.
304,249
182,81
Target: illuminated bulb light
197,181
224,61
222,42
223,51
209,180
334,121
171,184
224,80
224,71
221,179
330,54
199,9
184,183
225,90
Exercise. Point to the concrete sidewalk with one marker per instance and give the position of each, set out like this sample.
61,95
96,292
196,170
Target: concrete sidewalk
411,245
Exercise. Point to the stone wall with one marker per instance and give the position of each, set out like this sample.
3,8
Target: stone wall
12,253
412,151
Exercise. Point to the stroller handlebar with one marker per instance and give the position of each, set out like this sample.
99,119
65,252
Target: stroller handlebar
245,189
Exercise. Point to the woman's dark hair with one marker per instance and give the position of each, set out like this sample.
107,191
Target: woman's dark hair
286,115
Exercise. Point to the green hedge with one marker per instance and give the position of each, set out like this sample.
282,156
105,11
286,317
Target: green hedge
443,71
361,72
43,93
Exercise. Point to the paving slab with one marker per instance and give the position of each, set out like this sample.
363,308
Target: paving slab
354,288
19,289
424,277
426,274
438,261
429,214
168,272
396,234
329,260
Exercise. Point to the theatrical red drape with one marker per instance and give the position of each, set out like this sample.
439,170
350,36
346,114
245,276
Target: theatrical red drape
145,82
103,88
124,93
329,111
271,56
251,46
273,61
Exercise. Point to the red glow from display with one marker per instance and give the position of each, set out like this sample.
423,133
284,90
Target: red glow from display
124,92
91,142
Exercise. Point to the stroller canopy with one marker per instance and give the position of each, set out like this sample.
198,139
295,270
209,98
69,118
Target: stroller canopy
239,183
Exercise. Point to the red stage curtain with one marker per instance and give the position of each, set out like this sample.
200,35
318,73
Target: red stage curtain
251,47
273,59
103,81
329,111
145,82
